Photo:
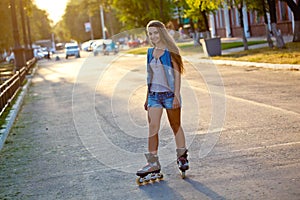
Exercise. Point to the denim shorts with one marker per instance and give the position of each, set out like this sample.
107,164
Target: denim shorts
161,100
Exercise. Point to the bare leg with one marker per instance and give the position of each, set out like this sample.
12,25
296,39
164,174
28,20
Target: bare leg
175,123
154,117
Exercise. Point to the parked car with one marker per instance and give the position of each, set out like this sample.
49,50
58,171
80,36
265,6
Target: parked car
87,46
72,49
45,51
107,47
38,53
3,57
133,43
11,58
59,46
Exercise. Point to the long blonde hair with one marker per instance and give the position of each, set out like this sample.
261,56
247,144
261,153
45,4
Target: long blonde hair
168,40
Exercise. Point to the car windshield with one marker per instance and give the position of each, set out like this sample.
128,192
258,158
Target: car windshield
72,47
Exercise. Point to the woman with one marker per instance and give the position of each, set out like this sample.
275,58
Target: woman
164,69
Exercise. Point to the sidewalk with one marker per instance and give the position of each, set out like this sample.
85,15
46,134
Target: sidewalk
198,59
287,38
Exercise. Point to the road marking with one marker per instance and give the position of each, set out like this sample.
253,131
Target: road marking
267,146
248,101
262,105
204,132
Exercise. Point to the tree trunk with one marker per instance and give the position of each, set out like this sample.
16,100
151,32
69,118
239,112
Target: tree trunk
240,9
207,32
268,34
295,7
296,37
279,40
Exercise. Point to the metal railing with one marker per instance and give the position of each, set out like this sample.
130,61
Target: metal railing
9,89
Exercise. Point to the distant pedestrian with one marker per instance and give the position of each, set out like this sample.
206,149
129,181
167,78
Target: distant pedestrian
181,33
164,69
48,54
104,48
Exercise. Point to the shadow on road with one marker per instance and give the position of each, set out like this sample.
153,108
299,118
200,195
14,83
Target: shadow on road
160,190
204,189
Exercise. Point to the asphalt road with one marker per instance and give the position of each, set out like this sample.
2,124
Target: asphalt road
82,132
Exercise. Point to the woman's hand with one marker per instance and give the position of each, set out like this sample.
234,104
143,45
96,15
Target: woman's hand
146,105
176,102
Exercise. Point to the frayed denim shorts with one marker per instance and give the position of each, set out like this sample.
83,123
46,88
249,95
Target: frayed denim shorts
161,100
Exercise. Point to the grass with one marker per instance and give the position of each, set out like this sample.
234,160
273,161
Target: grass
9,107
7,110
140,50
230,45
4,65
189,47
288,55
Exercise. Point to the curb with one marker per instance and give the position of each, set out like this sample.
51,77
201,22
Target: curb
11,117
245,64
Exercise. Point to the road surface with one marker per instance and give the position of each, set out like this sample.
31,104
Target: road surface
82,132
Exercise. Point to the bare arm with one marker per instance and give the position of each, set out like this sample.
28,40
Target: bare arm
177,85
146,101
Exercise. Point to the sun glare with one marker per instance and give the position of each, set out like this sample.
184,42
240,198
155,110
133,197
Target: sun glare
55,8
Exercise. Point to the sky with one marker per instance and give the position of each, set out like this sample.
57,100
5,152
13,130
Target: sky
55,8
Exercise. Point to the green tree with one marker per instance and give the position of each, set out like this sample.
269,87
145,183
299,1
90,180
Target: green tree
239,4
261,7
112,25
73,22
273,17
79,12
61,31
137,13
198,10
40,24
6,39
295,7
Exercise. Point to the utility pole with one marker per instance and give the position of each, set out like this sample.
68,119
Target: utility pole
27,56
92,32
53,42
30,50
18,51
102,22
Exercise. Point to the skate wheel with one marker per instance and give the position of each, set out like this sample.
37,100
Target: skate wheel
183,174
160,176
139,181
153,177
147,180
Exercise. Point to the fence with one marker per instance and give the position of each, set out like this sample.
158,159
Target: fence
10,88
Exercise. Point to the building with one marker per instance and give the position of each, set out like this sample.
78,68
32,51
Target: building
225,22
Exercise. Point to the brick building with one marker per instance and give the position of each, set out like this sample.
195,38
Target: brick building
225,22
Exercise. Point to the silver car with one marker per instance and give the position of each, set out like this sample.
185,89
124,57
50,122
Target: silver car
106,47
72,49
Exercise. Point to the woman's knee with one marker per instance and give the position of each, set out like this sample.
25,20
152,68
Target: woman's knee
153,127
175,126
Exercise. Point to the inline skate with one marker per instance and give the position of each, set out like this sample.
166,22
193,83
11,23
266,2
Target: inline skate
151,171
182,161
